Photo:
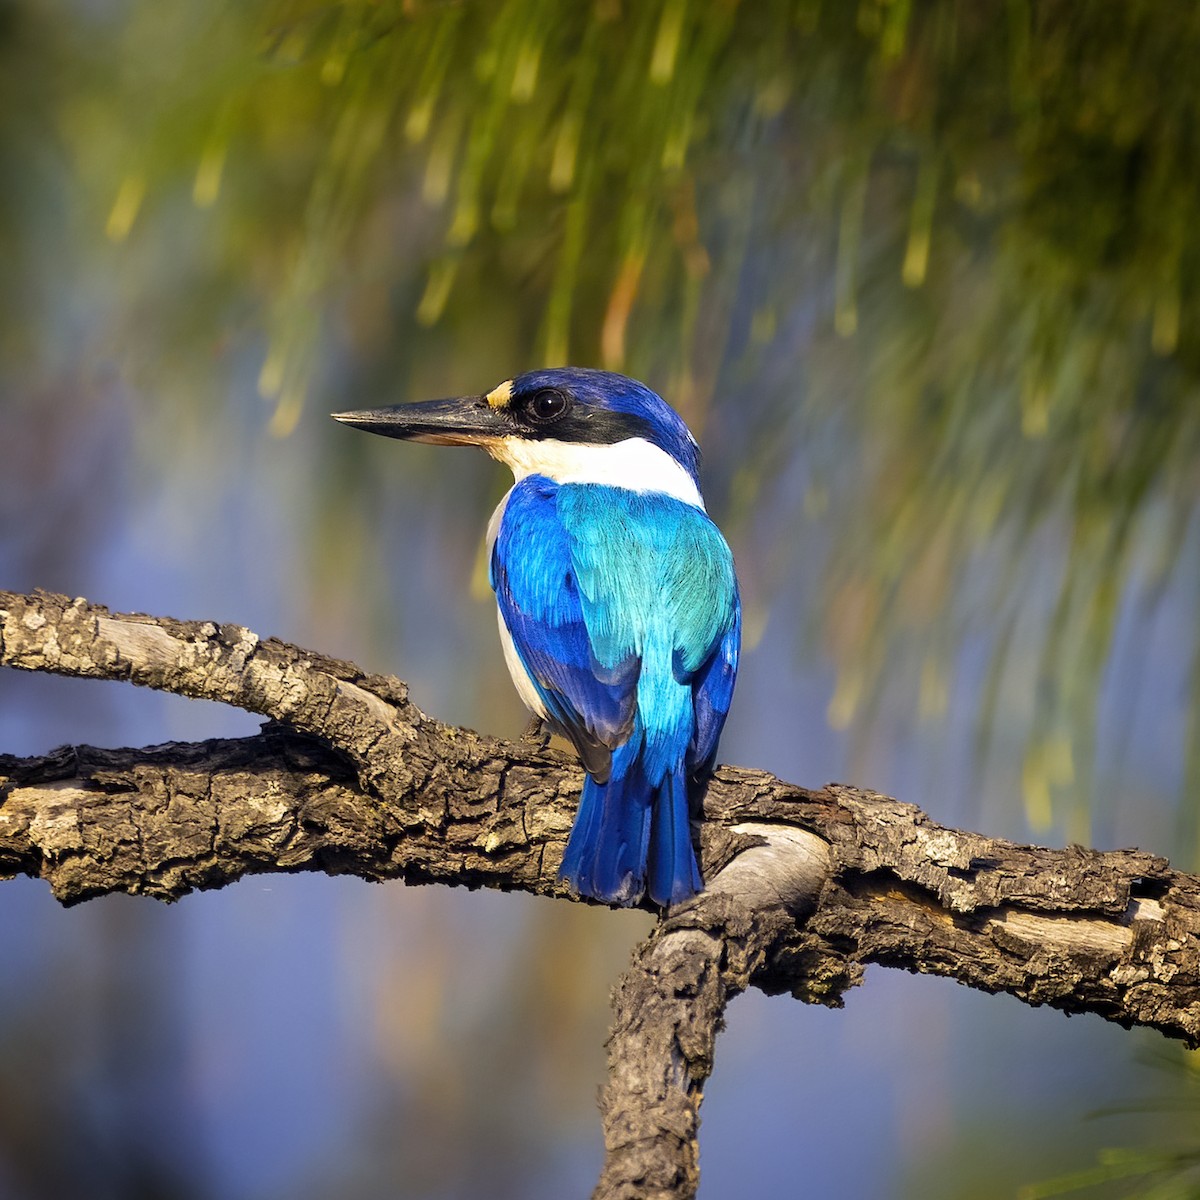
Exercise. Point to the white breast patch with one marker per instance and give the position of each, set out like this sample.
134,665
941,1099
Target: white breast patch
516,668
634,464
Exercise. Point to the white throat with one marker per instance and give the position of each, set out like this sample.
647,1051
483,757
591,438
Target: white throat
635,464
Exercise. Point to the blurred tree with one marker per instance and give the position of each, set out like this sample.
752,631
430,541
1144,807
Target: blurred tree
999,196
924,270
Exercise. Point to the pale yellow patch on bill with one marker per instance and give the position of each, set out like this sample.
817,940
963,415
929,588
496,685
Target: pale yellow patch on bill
499,397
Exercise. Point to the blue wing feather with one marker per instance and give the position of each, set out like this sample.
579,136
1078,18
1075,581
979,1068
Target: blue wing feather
534,581
712,690
623,610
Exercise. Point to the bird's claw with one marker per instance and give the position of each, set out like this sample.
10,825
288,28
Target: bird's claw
536,733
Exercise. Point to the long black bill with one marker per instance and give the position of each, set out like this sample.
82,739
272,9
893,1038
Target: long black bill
463,421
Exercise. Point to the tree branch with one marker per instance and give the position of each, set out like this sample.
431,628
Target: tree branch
805,887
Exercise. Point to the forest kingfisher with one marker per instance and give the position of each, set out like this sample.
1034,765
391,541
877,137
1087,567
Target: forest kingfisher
618,604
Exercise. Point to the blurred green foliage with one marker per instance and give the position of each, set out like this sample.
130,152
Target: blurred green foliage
958,234
920,275
1150,1173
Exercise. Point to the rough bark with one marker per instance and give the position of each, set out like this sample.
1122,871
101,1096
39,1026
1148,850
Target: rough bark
805,887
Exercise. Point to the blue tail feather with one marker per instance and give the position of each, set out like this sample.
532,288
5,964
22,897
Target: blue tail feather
626,830
606,852
672,869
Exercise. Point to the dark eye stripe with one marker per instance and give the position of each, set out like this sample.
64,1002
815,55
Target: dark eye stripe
582,423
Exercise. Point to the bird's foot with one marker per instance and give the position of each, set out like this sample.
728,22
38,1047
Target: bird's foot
536,734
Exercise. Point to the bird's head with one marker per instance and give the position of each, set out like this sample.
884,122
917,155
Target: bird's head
568,423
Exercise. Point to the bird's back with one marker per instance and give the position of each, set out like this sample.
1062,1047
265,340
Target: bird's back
622,609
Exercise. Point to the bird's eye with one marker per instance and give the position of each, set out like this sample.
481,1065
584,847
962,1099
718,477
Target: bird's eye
547,405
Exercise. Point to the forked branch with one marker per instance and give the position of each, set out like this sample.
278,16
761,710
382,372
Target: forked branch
805,887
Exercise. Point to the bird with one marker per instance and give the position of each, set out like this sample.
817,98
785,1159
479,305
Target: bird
617,603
